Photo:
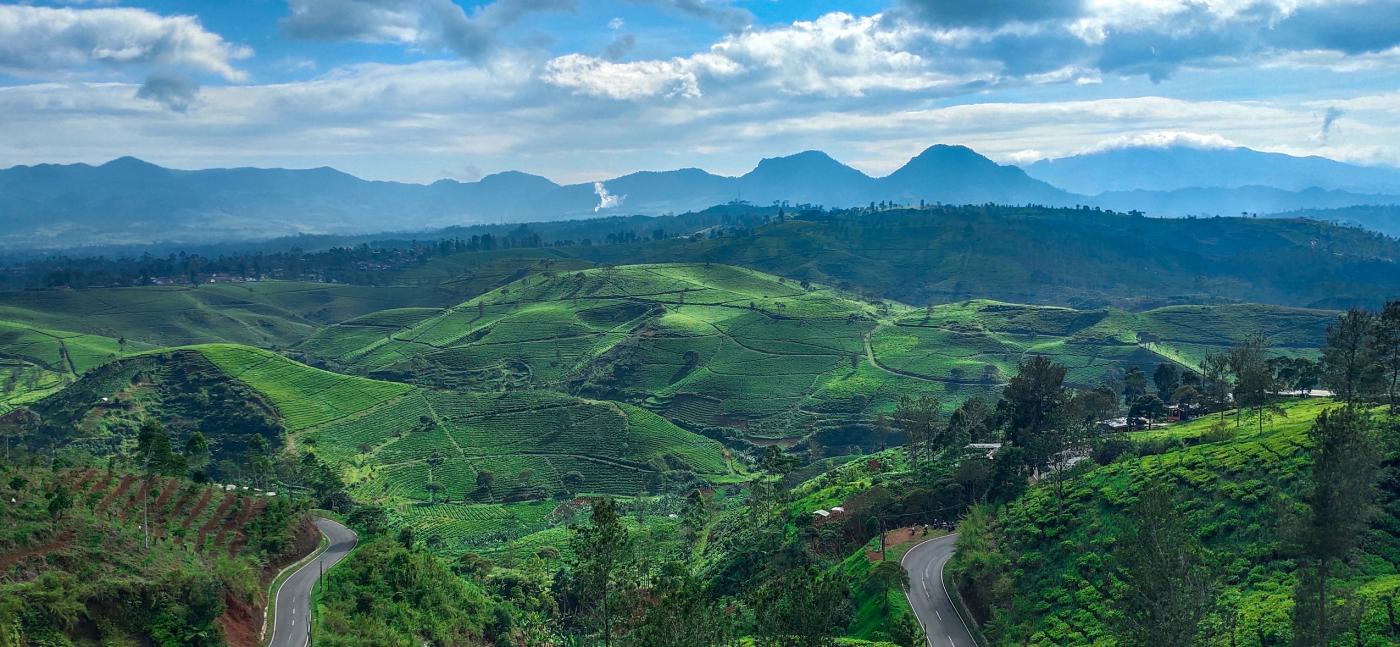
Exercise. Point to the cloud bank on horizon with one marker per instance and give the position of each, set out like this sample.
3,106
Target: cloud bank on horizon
574,90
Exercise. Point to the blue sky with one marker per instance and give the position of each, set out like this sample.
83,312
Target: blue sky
576,90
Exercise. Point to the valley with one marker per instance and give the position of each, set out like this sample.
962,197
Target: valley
699,323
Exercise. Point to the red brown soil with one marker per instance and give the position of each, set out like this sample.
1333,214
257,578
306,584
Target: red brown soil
115,494
63,540
103,483
135,502
901,536
240,622
239,538
84,480
172,485
216,518
194,514
243,624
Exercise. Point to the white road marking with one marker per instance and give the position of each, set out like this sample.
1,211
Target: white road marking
951,642
940,616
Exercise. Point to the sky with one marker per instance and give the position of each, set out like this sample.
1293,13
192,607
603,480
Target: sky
580,90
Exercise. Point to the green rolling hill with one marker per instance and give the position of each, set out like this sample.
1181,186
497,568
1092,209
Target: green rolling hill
712,345
35,362
262,313
1235,489
397,444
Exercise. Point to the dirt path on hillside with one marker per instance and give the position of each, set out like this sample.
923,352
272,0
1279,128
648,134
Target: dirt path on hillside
63,541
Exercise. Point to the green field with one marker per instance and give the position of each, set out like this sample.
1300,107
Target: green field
35,362
712,345
397,443
262,313
1231,490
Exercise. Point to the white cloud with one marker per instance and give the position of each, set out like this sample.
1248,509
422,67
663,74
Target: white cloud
1162,139
837,55
47,42
600,77
870,90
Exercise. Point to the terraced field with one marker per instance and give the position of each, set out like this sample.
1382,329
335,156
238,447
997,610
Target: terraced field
35,362
428,454
1232,489
202,516
708,345
266,313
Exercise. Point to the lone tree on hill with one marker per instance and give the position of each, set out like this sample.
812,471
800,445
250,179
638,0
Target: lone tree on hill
1387,340
1351,365
1167,377
919,419
1149,407
60,501
1255,387
1168,586
1346,461
887,577
1134,385
602,565
1035,398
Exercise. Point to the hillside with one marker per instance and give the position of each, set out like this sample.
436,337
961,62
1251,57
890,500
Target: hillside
711,345
1054,580
36,362
1385,219
262,313
1078,257
83,573
1082,257
394,443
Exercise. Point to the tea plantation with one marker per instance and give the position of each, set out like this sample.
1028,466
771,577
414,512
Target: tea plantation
1236,488
711,345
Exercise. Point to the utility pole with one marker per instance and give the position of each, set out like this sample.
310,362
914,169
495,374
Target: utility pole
145,503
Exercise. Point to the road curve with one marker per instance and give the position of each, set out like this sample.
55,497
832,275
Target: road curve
934,609
291,626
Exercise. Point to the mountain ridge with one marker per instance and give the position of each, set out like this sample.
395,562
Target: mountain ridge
130,201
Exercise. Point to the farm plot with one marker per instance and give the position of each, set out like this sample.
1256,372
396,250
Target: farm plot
304,396
710,344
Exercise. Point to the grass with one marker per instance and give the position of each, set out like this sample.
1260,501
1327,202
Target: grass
712,345
397,443
35,362
266,313
1230,488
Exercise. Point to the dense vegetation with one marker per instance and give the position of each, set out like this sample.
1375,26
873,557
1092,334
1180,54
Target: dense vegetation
112,557
714,347
540,447
1081,257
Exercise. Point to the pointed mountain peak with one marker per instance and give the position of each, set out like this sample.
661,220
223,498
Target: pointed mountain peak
128,162
516,178
809,161
952,153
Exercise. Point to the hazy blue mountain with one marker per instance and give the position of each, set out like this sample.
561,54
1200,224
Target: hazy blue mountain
958,175
1382,218
1170,168
131,201
1233,202
811,177
128,201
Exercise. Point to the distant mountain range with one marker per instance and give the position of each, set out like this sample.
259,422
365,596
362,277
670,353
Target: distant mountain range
1172,168
129,201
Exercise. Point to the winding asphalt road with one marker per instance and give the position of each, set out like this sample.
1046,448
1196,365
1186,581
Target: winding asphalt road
930,600
291,623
